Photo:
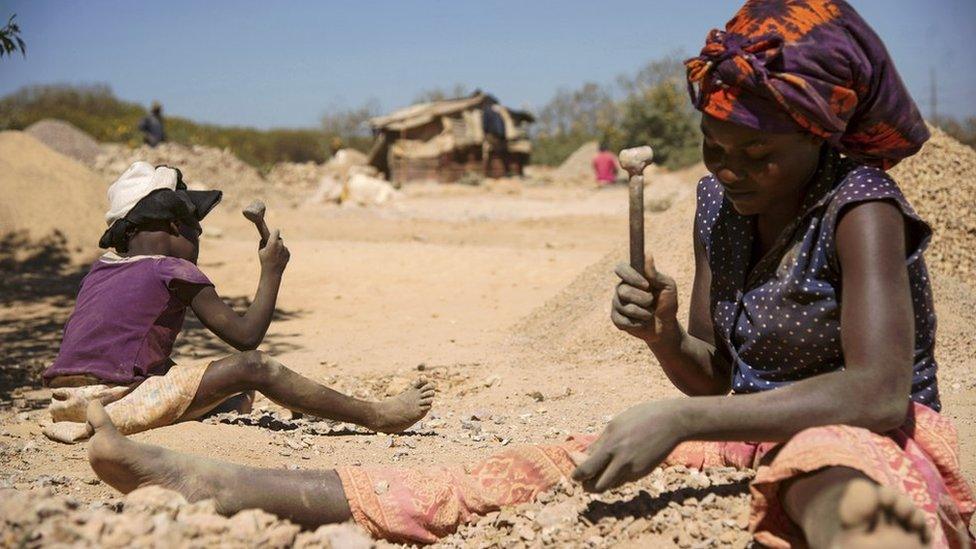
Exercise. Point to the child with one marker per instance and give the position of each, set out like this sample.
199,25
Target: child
130,310
811,304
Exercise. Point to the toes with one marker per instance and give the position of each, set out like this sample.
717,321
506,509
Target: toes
859,503
420,382
902,509
918,524
887,497
97,417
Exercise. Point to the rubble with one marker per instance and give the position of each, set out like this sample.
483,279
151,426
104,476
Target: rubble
202,167
940,182
66,139
154,517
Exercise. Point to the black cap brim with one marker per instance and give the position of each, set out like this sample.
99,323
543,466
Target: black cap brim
203,201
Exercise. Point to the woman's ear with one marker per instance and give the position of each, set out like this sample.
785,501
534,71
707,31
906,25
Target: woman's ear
174,228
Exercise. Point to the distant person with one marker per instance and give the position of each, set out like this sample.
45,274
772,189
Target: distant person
605,166
151,126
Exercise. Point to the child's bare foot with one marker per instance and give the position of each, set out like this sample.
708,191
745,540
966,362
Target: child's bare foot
396,414
877,516
126,465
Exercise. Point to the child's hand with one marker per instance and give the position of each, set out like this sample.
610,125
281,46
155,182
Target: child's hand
642,305
274,255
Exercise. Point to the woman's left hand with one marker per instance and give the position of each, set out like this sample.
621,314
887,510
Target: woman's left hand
632,445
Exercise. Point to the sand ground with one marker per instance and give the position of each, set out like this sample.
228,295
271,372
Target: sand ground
502,299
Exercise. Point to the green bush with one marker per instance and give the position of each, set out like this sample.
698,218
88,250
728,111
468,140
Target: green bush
95,110
650,108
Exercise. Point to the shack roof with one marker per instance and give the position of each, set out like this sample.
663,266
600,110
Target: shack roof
423,113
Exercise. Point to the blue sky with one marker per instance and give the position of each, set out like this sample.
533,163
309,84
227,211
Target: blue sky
284,63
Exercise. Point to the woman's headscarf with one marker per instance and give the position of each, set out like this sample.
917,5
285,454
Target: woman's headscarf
812,65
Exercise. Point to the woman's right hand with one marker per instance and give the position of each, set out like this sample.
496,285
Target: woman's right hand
274,255
643,306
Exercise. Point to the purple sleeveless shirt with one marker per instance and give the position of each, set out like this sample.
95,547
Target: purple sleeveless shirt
126,319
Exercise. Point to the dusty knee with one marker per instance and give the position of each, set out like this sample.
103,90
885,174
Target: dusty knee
258,368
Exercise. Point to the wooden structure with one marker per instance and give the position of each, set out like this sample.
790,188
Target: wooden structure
444,140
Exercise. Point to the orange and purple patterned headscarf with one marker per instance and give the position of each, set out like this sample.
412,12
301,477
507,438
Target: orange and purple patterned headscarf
811,65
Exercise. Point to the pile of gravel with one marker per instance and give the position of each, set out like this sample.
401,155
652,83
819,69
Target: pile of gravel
66,139
940,182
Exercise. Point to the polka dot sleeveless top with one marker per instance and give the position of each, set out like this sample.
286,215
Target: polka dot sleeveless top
780,322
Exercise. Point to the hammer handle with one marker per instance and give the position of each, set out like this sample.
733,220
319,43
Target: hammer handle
263,229
636,186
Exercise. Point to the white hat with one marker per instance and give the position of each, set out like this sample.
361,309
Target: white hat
135,183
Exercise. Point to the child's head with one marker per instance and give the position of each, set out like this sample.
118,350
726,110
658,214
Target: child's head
153,213
791,75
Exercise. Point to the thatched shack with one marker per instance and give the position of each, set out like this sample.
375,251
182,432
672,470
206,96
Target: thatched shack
444,140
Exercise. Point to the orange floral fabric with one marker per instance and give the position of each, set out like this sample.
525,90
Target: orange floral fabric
921,459
810,65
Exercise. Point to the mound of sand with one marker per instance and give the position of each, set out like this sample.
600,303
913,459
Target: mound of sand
577,169
940,182
202,167
46,192
66,139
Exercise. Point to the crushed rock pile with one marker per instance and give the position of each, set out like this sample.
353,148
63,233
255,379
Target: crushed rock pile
577,169
66,139
298,175
153,517
673,506
202,167
309,175
940,182
46,193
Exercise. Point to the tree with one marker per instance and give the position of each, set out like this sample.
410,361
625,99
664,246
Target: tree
440,94
10,40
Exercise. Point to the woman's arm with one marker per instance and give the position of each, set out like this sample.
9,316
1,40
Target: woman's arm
877,335
648,310
245,332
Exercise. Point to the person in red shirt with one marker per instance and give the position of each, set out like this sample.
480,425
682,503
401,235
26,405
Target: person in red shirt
605,166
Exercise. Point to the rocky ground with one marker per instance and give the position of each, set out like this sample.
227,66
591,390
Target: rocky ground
499,294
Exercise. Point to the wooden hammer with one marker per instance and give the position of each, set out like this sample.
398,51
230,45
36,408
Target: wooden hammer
634,161
254,213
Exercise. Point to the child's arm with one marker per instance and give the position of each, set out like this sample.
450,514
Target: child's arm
648,310
245,332
872,392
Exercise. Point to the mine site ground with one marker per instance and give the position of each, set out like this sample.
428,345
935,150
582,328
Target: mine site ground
501,296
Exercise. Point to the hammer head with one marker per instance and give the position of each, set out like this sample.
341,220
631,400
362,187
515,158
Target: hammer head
255,211
636,159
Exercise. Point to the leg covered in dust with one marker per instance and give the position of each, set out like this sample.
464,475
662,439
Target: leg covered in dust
308,498
841,507
256,371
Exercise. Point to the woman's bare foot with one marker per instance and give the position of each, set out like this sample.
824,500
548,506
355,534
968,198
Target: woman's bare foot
876,516
126,465
396,414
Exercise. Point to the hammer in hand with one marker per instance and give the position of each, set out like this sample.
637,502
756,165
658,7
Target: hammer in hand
634,161
254,212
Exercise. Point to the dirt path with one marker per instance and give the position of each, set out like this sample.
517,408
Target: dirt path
503,301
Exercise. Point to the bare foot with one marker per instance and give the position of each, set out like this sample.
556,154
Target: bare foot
126,465
396,414
877,516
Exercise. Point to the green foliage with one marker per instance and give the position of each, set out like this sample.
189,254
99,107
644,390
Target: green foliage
10,40
440,94
95,110
661,116
649,108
